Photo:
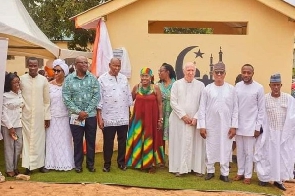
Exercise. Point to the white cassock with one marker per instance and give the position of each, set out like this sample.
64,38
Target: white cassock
217,114
186,146
35,93
274,149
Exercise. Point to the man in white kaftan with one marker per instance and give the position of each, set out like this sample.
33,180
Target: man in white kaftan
218,120
35,117
274,148
251,110
186,146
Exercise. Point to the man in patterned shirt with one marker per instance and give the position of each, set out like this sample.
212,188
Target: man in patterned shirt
273,149
113,113
81,96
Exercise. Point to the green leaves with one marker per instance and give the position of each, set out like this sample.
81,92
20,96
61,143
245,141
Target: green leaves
52,17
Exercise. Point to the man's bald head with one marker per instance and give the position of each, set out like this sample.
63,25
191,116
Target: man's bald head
115,66
115,59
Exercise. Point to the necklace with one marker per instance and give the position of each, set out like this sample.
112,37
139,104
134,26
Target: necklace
58,84
145,91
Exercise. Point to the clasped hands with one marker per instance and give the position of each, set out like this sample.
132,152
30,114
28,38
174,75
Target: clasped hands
188,120
82,115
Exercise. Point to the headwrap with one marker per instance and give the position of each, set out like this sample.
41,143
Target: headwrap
62,64
148,71
275,78
49,71
219,66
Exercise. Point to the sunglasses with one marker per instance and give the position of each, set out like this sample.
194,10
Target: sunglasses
57,70
219,72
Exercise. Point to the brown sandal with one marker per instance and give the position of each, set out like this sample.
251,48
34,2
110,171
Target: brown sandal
152,170
238,177
10,174
247,181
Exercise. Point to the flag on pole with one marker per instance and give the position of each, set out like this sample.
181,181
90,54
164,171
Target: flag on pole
102,50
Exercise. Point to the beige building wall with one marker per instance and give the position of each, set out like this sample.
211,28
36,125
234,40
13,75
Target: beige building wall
268,45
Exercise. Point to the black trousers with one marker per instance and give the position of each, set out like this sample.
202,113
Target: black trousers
90,135
108,144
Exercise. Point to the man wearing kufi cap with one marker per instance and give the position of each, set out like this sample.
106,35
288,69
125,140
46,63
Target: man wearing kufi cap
218,120
251,110
274,148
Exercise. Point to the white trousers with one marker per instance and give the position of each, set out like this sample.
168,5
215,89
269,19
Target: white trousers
245,151
224,168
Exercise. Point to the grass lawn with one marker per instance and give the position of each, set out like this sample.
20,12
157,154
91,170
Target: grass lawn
161,179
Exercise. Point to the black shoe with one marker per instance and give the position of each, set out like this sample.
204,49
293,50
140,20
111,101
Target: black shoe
78,170
16,171
106,169
261,183
28,172
280,186
43,170
91,169
209,176
122,167
224,178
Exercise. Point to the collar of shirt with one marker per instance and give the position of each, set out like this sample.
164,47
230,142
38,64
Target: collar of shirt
75,75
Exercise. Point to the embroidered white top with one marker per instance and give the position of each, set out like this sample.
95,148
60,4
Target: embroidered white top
12,110
115,99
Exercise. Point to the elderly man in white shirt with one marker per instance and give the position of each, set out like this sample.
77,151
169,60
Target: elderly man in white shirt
251,111
113,113
274,148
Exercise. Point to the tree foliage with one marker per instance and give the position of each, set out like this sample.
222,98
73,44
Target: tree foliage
52,17
181,30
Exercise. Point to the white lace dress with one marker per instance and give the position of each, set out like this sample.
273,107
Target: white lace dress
59,145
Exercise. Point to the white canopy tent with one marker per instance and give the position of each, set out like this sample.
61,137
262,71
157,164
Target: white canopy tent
25,38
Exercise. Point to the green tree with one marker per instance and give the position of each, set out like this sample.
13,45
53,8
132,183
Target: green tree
181,30
52,17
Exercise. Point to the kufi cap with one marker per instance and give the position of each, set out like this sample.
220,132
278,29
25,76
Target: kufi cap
219,66
275,78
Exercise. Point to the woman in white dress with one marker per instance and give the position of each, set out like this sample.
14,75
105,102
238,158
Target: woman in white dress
59,147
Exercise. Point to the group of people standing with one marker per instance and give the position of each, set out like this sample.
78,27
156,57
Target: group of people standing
262,125
46,122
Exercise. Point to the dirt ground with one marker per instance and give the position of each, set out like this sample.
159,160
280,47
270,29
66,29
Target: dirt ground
27,188
13,188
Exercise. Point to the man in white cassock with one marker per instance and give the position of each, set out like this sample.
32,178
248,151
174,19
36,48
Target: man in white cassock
186,146
35,117
251,110
275,147
218,120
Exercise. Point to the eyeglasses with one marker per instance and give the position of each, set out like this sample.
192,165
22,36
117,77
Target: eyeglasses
219,72
161,70
57,70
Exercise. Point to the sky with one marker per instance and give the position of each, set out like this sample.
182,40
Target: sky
291,2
